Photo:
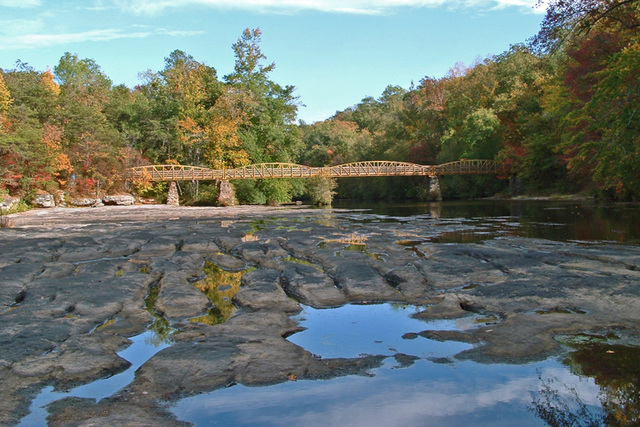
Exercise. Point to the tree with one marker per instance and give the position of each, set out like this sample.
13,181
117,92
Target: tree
91,142
269,133
567,20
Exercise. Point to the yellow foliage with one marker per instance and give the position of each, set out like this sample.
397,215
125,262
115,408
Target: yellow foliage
223,147
189,132
47,80
142,182
5,96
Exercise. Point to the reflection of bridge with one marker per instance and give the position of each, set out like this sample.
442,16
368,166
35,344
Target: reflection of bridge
291,170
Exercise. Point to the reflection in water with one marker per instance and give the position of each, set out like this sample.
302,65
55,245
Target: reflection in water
219,286
362,247
615,369
560,405
553,220
434,389
160,327
142,348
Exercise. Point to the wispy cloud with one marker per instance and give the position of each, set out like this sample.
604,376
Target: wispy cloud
329,6
20,3
14,40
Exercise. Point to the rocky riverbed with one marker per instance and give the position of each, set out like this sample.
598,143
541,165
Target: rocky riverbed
76,284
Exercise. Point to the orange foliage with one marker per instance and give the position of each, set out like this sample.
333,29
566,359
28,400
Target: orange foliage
52,139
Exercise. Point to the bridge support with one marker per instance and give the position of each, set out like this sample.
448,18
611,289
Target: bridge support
172,198
434,188
226,194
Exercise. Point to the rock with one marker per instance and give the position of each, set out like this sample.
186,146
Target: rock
83,202
311,286
60,197
119,200
178,299
77,283
261,289
44,200
173,199
226,195
146,200
362,283
7,203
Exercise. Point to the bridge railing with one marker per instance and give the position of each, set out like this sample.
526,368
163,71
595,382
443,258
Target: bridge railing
292,170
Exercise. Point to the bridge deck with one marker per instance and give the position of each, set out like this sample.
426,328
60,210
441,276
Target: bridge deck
291,170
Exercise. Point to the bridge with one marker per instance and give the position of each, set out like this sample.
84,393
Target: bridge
174,173
291,170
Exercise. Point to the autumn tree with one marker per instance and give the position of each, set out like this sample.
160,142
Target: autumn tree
91,141
32,155
5,96
569,20
594,95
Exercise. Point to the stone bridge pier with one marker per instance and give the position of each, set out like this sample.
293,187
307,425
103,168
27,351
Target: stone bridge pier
226,194
173,199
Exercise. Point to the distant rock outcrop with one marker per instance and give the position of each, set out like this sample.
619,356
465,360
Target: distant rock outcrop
119,200
44,200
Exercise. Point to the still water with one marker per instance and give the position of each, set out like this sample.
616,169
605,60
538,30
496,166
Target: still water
420,382
543,219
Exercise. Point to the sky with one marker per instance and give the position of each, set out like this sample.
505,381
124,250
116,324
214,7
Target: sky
335,52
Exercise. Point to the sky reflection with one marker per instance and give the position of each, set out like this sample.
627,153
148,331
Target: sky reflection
425,393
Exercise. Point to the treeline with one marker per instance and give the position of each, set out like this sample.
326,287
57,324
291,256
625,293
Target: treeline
70,129
562,110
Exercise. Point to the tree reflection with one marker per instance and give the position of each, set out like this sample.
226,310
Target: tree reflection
615,369
219,286
160,327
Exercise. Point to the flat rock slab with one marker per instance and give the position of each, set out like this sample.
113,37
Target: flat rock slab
75,284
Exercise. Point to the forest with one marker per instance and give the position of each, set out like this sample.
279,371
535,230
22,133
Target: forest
561,109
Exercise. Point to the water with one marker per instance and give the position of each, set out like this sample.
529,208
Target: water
142,348
554,220
421,382
355,330
434,389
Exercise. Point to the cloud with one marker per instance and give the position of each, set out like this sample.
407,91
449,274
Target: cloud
390,401
36,40
330,6
20,3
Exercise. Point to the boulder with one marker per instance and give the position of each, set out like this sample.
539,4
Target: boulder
60,198
44,200
7,203
119,200
84,202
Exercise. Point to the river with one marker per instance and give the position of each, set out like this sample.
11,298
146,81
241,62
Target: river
478,313
593,381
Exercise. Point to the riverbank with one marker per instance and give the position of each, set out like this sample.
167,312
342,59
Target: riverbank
75,284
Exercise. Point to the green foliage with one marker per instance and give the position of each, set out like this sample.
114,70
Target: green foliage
270,133
248,193
561,112
320,190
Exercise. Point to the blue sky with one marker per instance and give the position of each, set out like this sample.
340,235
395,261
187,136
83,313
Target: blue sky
335,52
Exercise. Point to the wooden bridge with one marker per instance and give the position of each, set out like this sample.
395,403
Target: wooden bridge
291,170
